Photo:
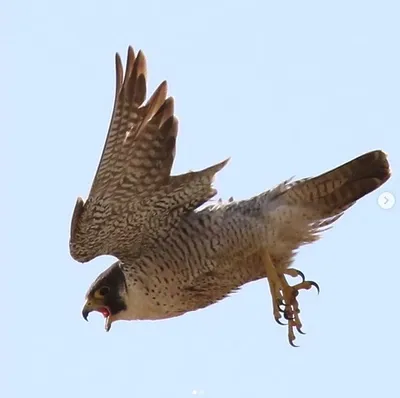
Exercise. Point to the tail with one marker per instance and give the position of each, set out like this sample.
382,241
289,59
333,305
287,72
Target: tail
300,210
335,191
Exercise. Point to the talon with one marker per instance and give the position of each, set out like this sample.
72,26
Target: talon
284,296
306,285
315,284
293,272
299,330
301,275
292,344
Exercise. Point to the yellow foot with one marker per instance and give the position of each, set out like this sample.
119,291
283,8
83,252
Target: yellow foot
284,296
291,306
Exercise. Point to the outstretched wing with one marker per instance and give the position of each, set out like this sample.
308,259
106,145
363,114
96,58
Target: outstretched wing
139,148
132,191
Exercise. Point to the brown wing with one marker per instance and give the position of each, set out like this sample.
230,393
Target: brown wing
132,187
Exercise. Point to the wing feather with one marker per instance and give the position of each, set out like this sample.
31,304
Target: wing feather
133,193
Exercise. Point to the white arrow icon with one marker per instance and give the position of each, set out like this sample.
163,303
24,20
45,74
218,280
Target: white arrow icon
386,200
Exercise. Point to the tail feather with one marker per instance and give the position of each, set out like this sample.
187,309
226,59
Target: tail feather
301,210
338,189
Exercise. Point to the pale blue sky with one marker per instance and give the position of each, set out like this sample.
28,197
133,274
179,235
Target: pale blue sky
284,88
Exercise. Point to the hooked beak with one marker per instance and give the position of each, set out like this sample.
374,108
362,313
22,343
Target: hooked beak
92,305
86,311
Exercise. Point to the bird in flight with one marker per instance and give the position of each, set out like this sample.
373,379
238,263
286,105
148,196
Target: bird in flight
175,257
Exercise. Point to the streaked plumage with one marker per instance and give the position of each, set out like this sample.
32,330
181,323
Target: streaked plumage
174,257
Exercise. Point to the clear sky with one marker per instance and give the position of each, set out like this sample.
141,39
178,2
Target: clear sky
284,88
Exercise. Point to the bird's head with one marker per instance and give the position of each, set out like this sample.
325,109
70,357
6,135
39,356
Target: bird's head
107,295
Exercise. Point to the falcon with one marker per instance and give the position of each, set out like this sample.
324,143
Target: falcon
176,255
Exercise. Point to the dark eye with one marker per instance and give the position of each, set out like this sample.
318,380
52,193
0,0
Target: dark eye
104,290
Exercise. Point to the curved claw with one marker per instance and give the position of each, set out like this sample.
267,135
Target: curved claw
315,284
292,344
301,275
299,330
279,322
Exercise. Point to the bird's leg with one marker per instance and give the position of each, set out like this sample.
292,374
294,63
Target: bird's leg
285,295
277,299
292,310
274,286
